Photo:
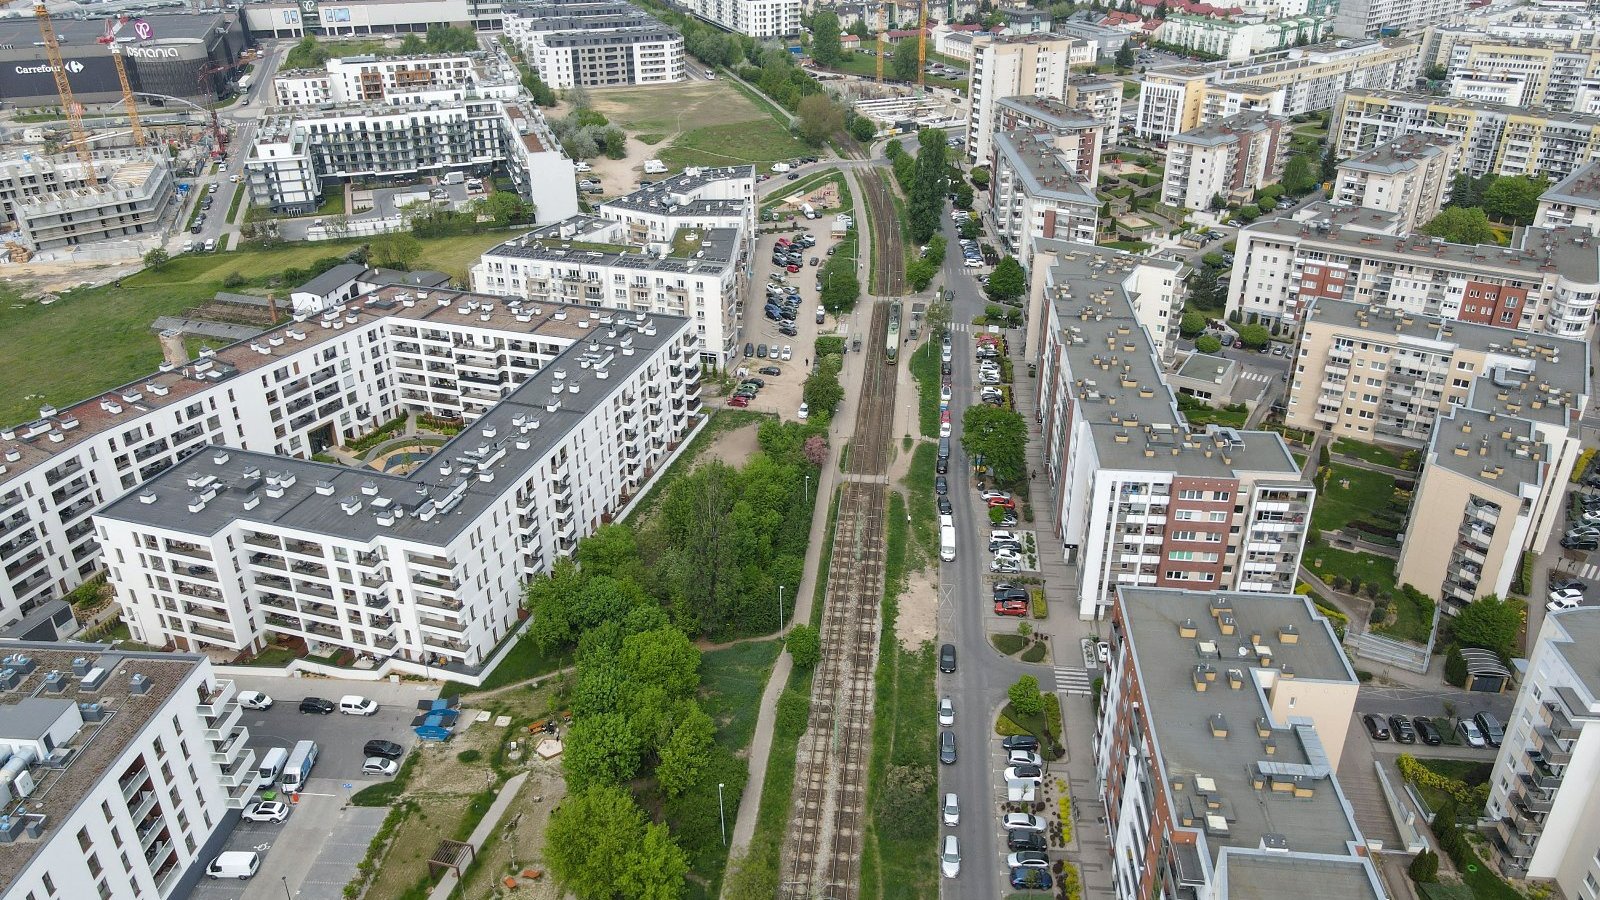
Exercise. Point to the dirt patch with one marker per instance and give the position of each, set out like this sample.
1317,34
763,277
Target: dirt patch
517,844
732,447
664,113
918,620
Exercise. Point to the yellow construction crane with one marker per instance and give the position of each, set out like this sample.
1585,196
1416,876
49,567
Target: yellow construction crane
69,105
922,44
113,27
883,50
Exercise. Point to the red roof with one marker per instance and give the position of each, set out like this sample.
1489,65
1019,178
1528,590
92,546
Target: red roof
1119,18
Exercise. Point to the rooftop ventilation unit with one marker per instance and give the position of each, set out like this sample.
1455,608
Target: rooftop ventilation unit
139,684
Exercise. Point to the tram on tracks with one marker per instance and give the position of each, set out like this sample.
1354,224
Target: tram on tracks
891,349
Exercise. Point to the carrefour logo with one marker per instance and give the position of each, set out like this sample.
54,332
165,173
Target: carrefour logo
70,65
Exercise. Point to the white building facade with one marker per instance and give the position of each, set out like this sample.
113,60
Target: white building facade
1033,65
756,18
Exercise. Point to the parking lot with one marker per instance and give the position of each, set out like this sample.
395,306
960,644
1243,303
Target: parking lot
313,853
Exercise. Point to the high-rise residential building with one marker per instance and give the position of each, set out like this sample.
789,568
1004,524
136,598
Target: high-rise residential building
298,155
1495,138
1031,65
1375,18
1287,83
1229,159
757,18
1410,177
1140,497
566,412
1216,748
1554,72
1045,165
399,80
1236,36
1547,283
623,257
1101,98
56,201
1574,200
1543,826
121,770
595,44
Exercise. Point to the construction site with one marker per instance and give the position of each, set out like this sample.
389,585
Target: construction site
900,107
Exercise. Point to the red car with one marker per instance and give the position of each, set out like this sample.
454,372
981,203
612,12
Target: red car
783,242
944,414
793,269
1011,608
739,402
1007,502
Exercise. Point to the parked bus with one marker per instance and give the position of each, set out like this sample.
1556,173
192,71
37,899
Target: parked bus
298,769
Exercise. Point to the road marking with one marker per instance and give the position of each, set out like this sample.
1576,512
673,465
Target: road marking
1072,680
1257,376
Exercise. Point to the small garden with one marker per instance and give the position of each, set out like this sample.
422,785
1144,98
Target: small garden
1377,454
1199,412
1027,645
1360,501
1027,711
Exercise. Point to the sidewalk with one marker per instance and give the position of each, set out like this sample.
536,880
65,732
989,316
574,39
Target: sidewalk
491,821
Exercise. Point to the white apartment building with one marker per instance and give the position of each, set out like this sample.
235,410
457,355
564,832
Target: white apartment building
1574,200
1540,825
1410,177
1287,83
1045,165
595,44
1228,159
622,259
1547,72
1241,36
757,18
1101,99
398,81
1373,18
1031,65
1495,138
52,201
296,155
1547,283
121,770
1139,497
293,19
567,412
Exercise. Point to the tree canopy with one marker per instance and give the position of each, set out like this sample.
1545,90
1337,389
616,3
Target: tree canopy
1008,281
1254,336
1461,225
927,194
1299,175
825,46
905,60
1001,436
819,118
600,846
1514,198
1490,623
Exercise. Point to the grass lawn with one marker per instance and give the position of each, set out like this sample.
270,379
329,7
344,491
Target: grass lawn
1230,416
233,208
925,368
661,111
1352,494
1471,772
332,204
811,183
898,863
1326,562
1372,453
95,339
755,141
758,873
1130,246
730,688
523,662
1412,621
924,508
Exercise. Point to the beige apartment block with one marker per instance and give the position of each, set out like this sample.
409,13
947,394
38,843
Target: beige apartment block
1410,177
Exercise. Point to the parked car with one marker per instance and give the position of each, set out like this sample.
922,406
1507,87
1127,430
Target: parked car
749,350
947,658
1005,590
267,811
947,747
1031,859
1020,742
1586,542
941,485
945,508
951,811
1566,598
1031,878
1024,758
739,402
950,858
947,712
254,700
383,748
1400,726
1375,727
377,765
1493,731
318,705
1470,733
1025,840
1427,731
357,705
1023,822
1018,608
1024,773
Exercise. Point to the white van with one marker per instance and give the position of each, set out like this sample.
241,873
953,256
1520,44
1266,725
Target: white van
240,864
211,244
357,705
298,769
780,167
271,767
947,543
654,167
810,211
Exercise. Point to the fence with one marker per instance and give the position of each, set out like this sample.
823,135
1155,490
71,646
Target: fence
356,228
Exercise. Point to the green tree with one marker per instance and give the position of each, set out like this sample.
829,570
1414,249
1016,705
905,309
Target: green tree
1424,867
412,45
921,272
840,288
506,208
862,129
822,392
1208,343
613,550
1489,623
963,196
396,249
663,657
599,845
805,646
825,48
819,118
685,753
1007,282
1125,57
1025,697
600,749
1436,73
1514,198
1254,336
1461,225
697,525
155,258
927,195
1191,324
1455,667
905,60
1299,175
1248,212
1468,191
1206,290
1001,435
980,178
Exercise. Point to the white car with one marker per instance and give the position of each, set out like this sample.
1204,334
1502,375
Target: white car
1008,566
944,393
947,712
1011,774
1023,758
254,700
986,496
804,412
235,178
1566,598
944,429
1103,651
952,811
972,263
1007,554
1024,859
582,166
1470,733
788,352
377,765
357,705
267,811
1023,822
950,859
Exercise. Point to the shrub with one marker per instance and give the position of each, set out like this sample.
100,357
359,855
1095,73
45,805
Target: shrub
1041,608
233,280
1005,726
470,756
1025,696
1455,667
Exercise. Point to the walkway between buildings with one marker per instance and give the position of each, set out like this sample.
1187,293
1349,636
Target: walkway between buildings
486,827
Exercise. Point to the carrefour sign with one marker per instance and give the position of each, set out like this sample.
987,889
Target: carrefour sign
70,65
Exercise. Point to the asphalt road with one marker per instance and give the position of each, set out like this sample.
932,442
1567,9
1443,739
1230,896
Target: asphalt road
966,618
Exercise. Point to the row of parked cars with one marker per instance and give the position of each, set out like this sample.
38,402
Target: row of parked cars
1584,532
1479,731
1025,833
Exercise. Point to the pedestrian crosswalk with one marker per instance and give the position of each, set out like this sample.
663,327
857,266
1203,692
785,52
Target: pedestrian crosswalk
960,327
1255,376
1586,571
1073,680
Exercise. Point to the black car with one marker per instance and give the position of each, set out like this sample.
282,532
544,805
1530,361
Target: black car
944,368
1581,543
1493,731
194,229
1020,742
941,485
1003,591
1375,727
947,747
749,350
1020,839
1402,730
1562,584
770,370
317,705
945,509
942,465
383,748
947,658
1427,731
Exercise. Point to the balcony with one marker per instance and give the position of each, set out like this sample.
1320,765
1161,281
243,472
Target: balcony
435,582
442,625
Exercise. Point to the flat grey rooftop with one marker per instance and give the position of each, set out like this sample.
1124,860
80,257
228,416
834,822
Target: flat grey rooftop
1039,164
1227,131
1206,367
1473,443
23,31
1455,103
1279,876
1052,112
1581,188
1193,759
1400,155
679,189
1582,626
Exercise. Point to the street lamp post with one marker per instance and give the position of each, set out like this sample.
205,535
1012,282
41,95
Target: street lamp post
721,819
780,607
286,893
808,488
